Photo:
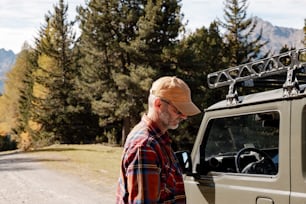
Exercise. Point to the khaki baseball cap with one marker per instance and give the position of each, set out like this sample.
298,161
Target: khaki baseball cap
177,92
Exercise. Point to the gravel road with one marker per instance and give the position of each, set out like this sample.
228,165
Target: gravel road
25,180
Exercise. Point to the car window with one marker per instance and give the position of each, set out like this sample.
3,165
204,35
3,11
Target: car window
227,136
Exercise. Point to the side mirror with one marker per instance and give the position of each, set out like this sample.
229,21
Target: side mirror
185,161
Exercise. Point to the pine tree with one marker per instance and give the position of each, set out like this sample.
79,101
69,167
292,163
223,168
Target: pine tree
197,55
57,106
157,33
10,101
99,48
304,29
238,30
16,100
23,126
122,42
285,48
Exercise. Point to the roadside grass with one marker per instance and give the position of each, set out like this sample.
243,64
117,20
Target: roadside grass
96,164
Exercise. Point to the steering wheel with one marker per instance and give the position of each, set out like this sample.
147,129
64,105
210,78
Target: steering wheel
265,165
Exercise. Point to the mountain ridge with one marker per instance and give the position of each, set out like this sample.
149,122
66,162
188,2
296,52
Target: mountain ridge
277,36
7,60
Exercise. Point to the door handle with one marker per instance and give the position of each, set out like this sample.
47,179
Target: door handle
264,201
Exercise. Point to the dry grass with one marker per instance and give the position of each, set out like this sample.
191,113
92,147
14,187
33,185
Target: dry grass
94,163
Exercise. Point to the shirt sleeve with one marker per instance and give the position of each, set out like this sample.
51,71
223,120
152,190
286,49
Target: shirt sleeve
143,176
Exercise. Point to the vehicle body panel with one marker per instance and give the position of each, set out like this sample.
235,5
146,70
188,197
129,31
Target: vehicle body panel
298,152
252,149
229,188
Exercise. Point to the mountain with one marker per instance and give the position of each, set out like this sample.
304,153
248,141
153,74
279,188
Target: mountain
7,60
278,36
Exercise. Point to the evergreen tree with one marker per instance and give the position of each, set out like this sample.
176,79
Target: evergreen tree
122,42
157,31
304,29
17,96
100,51
199,54
58,111
23,127
238,30
157,34
285,48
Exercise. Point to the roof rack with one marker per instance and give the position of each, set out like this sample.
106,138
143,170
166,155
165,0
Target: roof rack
288,64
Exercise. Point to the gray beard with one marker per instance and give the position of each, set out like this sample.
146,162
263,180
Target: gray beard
165,119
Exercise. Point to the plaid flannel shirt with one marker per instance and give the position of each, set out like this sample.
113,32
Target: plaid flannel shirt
150,172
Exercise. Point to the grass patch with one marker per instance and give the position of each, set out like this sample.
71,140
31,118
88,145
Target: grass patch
97,164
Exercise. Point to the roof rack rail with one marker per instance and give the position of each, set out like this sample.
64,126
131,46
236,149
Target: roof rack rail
289,63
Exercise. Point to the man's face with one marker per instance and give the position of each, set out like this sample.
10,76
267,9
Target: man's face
170,116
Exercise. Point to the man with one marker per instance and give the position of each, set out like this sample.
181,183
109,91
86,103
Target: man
150,172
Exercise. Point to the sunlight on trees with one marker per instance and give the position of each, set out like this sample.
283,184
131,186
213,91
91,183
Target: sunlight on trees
95,88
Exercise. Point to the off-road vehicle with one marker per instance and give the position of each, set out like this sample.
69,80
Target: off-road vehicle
252,148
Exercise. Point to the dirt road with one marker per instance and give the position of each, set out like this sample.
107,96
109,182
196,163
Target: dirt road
25,180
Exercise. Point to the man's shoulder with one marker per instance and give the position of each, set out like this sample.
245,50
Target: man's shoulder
141,135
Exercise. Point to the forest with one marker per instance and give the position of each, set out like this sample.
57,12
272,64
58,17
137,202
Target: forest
93,87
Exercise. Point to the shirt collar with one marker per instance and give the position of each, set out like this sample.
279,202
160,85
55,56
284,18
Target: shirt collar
156,132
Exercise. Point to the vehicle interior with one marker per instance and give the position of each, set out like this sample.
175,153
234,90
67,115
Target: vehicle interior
241,144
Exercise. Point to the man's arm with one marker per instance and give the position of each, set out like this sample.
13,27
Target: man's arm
143,177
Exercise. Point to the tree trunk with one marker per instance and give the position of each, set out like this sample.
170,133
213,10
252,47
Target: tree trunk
125,130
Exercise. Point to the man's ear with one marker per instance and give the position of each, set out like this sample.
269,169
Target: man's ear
157,103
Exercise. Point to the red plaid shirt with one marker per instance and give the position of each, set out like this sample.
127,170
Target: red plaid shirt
150,172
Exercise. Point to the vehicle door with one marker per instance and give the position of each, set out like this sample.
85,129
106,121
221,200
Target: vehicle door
222,135
298,152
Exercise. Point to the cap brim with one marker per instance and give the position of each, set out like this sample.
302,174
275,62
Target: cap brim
188,109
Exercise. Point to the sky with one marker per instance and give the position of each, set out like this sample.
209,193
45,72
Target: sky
21,20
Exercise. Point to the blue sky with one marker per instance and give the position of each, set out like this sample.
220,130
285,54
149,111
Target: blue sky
20,20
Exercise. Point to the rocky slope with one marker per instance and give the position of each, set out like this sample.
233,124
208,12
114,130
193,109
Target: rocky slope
7,60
